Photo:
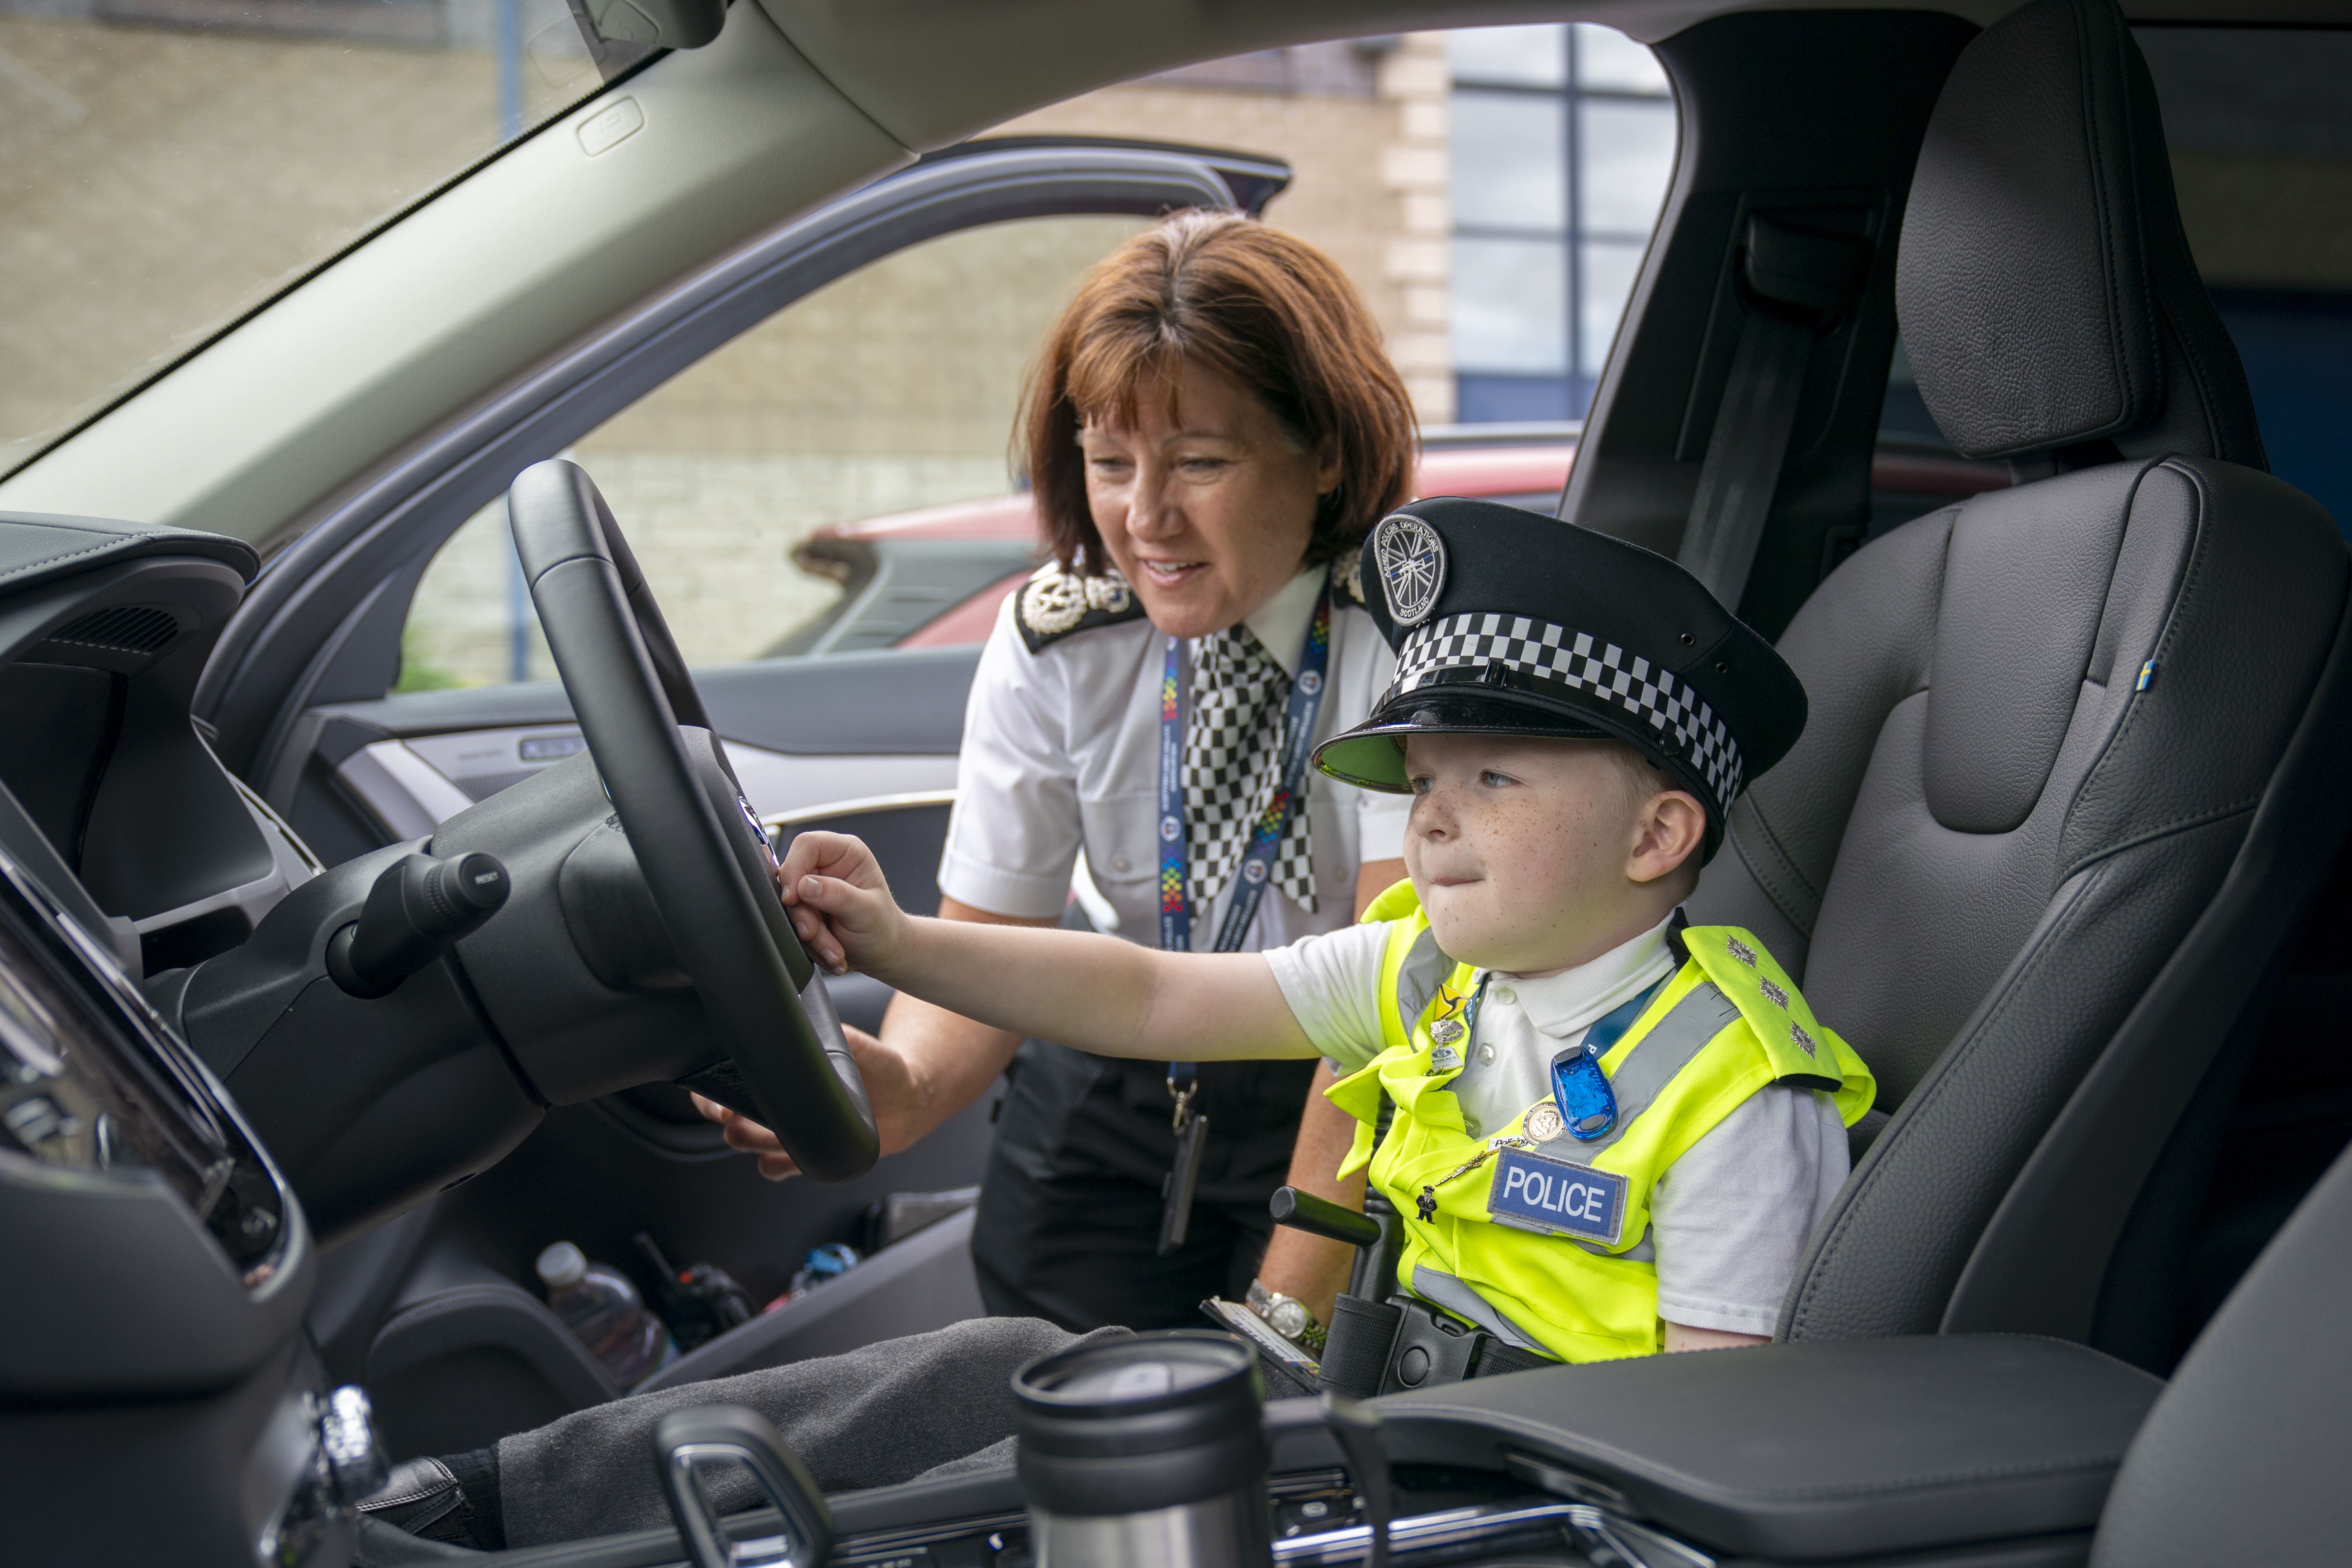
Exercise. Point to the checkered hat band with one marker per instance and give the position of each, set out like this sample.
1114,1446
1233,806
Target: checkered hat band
1577,662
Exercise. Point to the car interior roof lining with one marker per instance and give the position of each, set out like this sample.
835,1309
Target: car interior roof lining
907,62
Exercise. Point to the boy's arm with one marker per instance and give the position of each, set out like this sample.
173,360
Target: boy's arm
1682,1337
1095,992
1310,1267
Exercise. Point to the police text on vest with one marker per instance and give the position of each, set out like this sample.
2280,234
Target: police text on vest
1557,1197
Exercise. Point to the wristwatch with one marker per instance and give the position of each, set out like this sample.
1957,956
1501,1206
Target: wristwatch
1285,1316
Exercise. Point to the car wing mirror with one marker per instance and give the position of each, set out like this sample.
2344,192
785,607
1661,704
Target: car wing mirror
718,1463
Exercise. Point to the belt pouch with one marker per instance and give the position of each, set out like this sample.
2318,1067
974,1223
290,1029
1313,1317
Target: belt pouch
1356,1348
1431,1348
1495,1358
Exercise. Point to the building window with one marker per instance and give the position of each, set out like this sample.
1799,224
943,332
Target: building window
1563,143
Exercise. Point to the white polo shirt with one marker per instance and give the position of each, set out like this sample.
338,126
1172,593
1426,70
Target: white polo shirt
1061,753
1731,1220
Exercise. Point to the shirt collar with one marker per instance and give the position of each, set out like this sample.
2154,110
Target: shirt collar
1563,1003
1280,623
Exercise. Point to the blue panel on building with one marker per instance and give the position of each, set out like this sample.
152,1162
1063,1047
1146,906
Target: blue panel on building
1509,399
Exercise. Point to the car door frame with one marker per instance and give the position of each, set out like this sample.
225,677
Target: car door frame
322,624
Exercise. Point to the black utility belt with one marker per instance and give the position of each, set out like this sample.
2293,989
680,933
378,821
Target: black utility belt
1387,1347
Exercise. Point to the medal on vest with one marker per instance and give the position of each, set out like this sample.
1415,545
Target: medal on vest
1447,1033
1256,874
1534,1191
1452,1028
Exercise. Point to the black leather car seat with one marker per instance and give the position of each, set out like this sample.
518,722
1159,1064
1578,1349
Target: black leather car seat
2067,778
2242,1460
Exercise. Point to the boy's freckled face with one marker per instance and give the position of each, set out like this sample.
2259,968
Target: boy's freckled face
1518,847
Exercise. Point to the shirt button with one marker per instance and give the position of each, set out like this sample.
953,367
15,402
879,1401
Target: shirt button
1120,863
1486,1056
1505,994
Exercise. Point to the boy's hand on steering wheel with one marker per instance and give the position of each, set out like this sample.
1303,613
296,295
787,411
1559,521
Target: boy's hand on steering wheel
834,889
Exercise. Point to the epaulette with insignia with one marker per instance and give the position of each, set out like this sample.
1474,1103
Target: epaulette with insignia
1348,577
1055,604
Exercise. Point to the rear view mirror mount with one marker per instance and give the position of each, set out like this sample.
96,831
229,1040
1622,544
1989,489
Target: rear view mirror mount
637,26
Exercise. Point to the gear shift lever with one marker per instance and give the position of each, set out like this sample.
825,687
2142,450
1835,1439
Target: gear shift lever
693,1449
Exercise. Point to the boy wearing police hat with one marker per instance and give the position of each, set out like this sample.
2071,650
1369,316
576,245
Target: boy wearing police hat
1612,1134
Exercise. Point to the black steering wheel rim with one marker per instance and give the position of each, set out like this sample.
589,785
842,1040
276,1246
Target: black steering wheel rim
630,691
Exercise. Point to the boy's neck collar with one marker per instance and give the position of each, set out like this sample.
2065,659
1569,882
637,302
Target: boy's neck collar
1677,923
1669,930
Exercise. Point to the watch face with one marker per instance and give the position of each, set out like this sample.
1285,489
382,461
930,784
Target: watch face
1289,1318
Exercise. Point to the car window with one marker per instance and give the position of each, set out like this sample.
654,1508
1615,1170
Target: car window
2259,125
1491,191
1562,147
891,390
2259,121
172,163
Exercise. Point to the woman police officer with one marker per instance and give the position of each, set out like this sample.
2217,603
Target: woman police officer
1212,428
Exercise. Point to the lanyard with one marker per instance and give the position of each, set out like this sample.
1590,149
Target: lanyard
1257,861
1256,870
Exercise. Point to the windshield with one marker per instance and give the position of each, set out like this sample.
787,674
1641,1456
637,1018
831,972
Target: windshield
167,166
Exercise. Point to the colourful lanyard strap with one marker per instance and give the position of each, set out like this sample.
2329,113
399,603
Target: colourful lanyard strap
1256,872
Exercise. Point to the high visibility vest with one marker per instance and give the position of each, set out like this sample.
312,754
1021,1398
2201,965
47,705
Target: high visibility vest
1562,1262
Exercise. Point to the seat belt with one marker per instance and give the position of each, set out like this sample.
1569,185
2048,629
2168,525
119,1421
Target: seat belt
1796,284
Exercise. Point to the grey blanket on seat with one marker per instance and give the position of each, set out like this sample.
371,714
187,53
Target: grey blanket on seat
940,1402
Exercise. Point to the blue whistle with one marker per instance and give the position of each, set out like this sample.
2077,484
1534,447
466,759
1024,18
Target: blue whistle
1587,1106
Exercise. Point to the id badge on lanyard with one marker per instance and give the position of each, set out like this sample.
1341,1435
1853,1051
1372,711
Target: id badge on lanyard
1250,883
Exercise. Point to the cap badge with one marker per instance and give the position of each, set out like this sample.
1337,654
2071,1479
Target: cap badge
1411,560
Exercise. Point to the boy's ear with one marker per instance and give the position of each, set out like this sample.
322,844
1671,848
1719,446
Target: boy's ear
1671,826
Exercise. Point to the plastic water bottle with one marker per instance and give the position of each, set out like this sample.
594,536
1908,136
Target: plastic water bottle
604,1308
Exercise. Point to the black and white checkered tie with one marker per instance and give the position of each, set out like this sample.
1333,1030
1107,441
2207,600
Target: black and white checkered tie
1232,765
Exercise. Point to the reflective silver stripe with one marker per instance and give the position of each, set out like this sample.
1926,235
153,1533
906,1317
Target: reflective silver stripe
1642,1251
1464,1302
1652,1063
1425,969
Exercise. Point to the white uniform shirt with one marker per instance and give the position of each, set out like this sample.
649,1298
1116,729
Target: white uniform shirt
1061,752
1730,1219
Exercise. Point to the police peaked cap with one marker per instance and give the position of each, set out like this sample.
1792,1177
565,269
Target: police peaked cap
1505,621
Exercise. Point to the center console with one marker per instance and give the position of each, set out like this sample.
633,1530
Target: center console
1977,1451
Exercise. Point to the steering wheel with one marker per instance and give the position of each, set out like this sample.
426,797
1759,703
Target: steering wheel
631,691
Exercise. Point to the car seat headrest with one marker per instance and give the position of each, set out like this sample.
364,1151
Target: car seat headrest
2046,292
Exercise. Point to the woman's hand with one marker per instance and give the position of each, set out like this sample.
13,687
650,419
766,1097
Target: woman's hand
839,903
890,1088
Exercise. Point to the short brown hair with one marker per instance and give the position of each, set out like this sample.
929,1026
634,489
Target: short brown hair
1271,311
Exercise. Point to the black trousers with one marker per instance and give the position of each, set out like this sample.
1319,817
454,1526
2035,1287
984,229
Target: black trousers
1068,1224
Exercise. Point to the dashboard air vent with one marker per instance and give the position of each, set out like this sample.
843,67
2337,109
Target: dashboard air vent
124,628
